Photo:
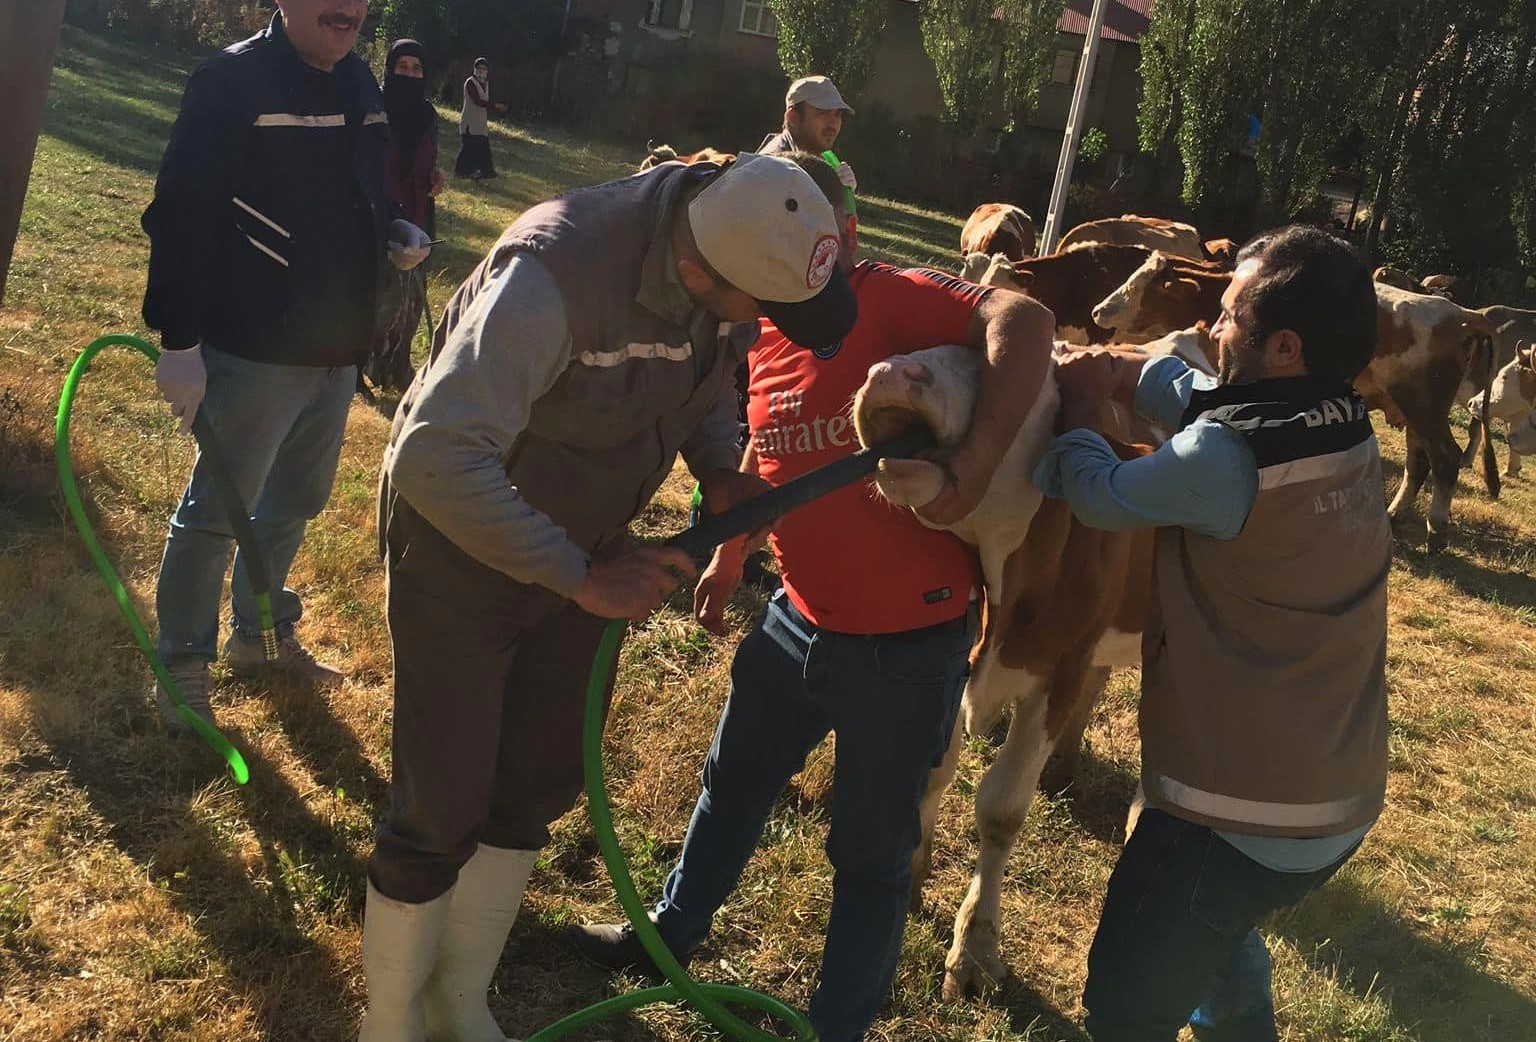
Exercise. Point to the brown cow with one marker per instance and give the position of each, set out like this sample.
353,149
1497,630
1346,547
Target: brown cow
1430,353
1070,283
1065,604
1155,233
1389,276
666,153
1222,251
1451,287
998,228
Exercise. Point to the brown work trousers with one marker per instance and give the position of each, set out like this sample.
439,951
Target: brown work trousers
490,685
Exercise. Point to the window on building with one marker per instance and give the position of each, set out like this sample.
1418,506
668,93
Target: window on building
757,19
1064,70
669,14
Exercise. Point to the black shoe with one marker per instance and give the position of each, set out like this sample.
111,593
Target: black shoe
614,946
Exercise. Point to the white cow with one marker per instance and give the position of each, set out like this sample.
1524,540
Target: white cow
1512,398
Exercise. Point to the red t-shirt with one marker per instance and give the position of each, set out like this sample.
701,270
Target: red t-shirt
851,562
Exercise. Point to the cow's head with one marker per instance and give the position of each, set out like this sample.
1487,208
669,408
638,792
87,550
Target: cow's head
1395,277
1151,301
1521,384
933,388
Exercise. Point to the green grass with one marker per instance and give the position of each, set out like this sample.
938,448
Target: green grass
143,896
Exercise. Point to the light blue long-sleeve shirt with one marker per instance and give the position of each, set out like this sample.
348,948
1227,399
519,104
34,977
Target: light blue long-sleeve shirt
1205,479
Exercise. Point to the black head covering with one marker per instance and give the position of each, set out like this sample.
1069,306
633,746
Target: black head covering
405,101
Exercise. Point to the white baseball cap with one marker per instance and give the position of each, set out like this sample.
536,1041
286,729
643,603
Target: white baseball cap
818,91
766,227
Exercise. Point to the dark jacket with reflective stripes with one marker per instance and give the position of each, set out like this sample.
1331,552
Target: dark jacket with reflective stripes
268,223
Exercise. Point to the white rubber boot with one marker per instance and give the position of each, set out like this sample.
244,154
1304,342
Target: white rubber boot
485,904
400,946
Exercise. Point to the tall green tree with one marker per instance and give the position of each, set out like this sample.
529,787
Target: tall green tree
991,56
835,38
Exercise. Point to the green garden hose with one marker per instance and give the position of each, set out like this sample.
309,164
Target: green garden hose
256,566
708,999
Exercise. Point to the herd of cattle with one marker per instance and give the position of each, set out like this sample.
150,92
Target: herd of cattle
1066,604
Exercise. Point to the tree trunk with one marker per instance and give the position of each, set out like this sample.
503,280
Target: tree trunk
1383,197
29,35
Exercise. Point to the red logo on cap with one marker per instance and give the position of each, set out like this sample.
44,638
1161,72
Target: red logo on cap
823,258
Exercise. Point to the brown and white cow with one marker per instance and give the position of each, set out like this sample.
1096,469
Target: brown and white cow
1430,353
1391,276
998,228
1155,233
1069,282
1513,327
1451,287
658,154
1511,397
1065,604
1161,296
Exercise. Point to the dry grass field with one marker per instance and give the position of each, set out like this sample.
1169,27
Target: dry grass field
144,896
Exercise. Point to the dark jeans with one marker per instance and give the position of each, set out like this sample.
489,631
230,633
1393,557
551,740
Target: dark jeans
490,689
892,701
1177,933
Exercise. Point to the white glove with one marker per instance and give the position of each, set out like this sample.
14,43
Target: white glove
845,175
182,379
408,244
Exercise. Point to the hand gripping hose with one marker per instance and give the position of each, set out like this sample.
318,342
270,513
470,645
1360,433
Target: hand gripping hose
708,999
751,516
239,519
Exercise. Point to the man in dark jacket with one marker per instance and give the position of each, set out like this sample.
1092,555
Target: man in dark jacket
267,240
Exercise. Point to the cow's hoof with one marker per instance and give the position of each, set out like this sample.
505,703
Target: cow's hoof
973,973
1438,541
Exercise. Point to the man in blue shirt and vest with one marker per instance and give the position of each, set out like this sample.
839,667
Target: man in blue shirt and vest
1263,712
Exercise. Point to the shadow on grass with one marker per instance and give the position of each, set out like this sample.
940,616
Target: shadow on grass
1487,560
1434,990
153,795
114,99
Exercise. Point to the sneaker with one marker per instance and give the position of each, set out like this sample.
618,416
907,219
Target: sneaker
192,683
615,946
246,658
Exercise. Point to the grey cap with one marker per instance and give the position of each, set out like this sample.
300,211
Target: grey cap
818,91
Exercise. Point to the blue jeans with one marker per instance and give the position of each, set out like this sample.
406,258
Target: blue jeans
892,700
280,429
1176,942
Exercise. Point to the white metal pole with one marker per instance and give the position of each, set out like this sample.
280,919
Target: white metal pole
1074,132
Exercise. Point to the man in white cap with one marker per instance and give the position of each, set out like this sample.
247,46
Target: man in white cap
813,117
594,343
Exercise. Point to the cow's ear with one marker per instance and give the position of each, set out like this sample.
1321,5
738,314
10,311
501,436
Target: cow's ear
1023,279
1184,289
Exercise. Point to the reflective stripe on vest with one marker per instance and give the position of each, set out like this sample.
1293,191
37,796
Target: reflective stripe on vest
1254,812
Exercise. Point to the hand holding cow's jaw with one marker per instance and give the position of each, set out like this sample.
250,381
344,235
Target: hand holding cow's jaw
1018,335
1089,379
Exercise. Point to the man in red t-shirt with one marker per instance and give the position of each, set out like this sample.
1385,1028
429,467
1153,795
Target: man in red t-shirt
869,636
